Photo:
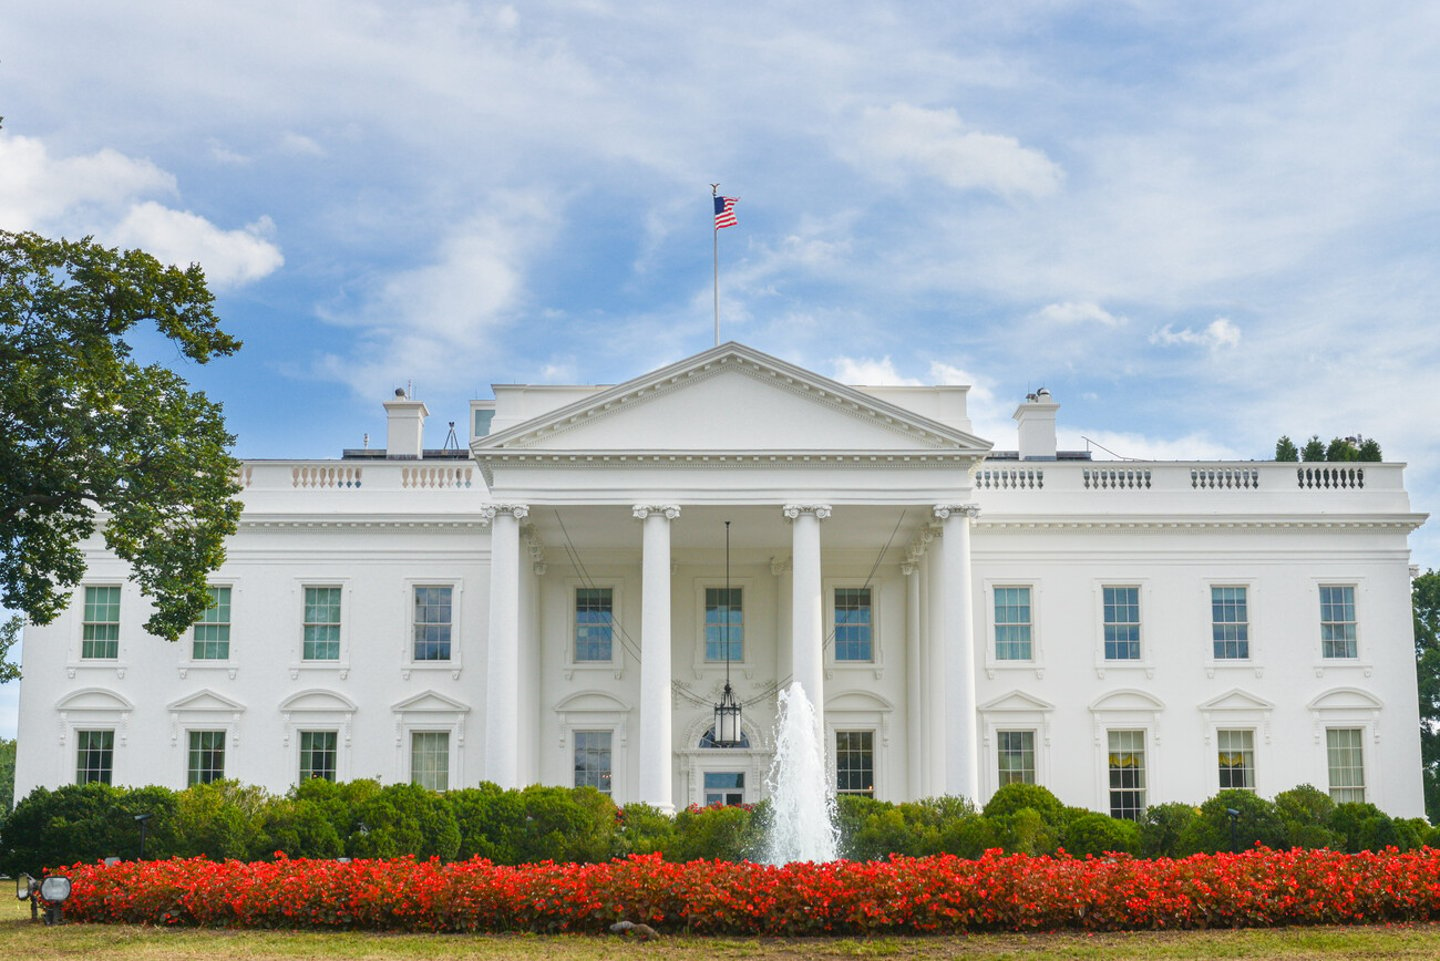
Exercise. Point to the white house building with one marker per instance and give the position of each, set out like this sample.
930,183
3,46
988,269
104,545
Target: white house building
557,603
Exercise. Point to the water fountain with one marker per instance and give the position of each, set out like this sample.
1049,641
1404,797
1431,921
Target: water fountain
802,803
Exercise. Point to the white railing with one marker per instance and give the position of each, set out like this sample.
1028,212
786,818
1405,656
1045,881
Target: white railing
325,477
437,478
1231,478
1330,476
1010,478
1117,478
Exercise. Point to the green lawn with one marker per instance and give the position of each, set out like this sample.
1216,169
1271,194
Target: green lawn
23,941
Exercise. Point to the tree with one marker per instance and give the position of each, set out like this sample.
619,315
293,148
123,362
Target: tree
89,438
1425,597
1285,449
1314,449
9,636
1342,450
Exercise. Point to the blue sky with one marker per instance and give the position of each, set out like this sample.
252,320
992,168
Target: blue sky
1200,225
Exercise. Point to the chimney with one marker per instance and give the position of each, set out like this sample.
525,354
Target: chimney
1036,417
405,433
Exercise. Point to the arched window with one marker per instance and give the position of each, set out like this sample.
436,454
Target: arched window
708,739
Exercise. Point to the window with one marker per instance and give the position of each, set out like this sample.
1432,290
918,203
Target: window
1237,759
322,624
1230,623
855,762
1346,754
1122,623
317,755
1017,757
94,756
1012,624
100,635
854,624
212,631
724,787
592,760
207,757
594,623
724,620
1127,774
430,759
1337,621
432,623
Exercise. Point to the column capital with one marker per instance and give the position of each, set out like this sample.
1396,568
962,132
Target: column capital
518,511
971,511
642,511
792,511
909,568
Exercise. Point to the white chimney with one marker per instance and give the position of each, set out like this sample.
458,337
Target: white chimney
405,433
1036,417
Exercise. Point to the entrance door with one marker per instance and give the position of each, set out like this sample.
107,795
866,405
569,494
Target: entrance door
724,787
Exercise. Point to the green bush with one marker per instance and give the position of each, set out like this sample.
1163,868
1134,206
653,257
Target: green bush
1306,813
714,833
642,829
220,820
1162,828
404,819
1099,834
85,822
1258,821
1013,797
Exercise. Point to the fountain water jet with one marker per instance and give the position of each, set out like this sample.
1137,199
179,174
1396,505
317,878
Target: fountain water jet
802,803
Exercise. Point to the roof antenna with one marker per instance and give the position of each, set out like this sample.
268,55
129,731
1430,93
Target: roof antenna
451,441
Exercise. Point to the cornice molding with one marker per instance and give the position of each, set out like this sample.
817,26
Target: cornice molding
1404,523
301,521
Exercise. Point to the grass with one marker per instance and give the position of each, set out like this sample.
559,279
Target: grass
20,939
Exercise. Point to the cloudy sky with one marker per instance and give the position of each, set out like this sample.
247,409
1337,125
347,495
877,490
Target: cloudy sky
1201,225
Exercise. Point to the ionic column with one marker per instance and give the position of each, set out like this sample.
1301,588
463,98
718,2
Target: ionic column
656,743
962,769
502,677
914,684
807,636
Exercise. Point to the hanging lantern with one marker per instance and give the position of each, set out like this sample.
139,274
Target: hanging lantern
727,719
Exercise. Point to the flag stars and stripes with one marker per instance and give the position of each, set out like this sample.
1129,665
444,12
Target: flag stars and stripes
725,211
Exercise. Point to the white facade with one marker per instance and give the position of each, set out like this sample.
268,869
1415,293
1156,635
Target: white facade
535,609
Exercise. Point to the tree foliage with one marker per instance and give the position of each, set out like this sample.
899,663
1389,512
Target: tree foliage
1339,450
10,631
1285,449
89,438
1425,596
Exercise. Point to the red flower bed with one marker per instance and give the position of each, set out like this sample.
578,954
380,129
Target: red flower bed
904,895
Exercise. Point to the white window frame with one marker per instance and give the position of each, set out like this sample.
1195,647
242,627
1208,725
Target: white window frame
450,783
341,664
1146,661
746,796
877,655
574,736
79,729
1238,710
1361,654
93,709
1147,745
226,769
74,661
1366,785
993,664
1254,770
876,756
1015,711
455,663
1350,707
616,586
747,603
318,709
429,711
615,718
231,664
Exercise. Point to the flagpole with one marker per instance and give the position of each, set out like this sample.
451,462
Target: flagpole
715,231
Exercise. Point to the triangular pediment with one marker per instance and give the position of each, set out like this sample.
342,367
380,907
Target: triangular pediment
1016,702
1237,700
730,398
206,700
429,701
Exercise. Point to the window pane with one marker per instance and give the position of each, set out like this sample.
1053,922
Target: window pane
430,759
1346,752
855,762
1017,757
94,756
432,623
594,623
1337,621
317,755
853,624
1236,756
100,631
1127,774
1122,623
724,619
1012,624
212,631
207,757
592,760
322,624
724,787
1229,623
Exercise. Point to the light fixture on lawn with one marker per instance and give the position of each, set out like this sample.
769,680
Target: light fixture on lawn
727,711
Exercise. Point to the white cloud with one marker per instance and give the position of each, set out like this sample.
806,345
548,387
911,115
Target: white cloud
231,258
1111,445
1083,312
300,145
866,372
101,194
936,143
1220,332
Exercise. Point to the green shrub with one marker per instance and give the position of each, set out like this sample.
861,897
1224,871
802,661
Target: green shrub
404,819
1162,827
715,833
219,820
1099,834
642,829
85,822
1258,821
1014,797
490,821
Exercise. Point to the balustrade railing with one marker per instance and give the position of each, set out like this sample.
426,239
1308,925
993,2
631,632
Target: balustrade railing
1010,478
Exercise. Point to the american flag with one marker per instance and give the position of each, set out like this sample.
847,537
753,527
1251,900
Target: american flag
725,211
